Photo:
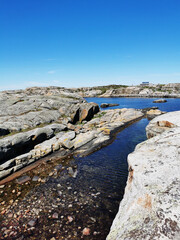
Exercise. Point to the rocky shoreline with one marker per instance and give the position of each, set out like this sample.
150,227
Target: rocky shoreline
150,208
83,130
38,122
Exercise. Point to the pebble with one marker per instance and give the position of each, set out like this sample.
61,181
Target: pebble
36,178
13,191
32,223
86,231
55,215
11,201
43,180
3,212
2,186
11,233
60,193
19,193
23,179
70,219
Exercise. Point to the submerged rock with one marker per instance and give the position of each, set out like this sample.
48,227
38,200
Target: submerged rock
105,105
160,101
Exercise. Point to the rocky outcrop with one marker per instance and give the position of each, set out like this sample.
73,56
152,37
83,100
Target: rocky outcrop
105,105
152,113
150,208
21,149
163,123
23,110
160,101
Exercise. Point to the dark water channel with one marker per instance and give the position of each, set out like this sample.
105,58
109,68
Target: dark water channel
83,192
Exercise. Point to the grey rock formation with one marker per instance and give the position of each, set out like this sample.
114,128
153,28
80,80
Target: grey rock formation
105,105
20,110
150,208
160,101
20,143
152,113
163,123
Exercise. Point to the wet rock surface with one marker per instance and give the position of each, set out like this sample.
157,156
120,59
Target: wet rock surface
150,208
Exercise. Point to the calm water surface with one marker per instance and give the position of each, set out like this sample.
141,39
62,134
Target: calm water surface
172,104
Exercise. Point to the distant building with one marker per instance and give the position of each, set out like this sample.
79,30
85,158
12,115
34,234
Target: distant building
144,84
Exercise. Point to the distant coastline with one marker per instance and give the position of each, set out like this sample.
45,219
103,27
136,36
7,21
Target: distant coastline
171,90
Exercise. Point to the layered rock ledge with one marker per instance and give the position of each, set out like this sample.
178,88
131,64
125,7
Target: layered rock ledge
150,208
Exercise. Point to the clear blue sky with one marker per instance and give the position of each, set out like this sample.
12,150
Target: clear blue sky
75,43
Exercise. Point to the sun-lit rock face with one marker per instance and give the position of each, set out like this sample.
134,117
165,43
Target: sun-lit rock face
163,123
150,208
